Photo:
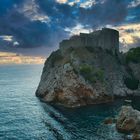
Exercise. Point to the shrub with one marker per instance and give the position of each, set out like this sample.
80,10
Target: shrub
131,83
100,74
90,48
75,70
56,56
91,74
85,69
133,55
92,79
109,52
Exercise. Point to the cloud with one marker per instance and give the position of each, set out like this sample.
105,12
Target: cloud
129,36
30,27
14,58
6,38
7,5
32,11
87,4
109,12
136,41
62,1
37,24
134,3
78,29
133,11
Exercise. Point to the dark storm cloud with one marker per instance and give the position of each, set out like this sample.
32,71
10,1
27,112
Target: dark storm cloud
99,14
36,33
135,13
31,33
7,5
62,15
110,12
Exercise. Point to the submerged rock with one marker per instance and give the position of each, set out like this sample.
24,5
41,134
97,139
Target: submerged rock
109,121
136,136
86,69
129,121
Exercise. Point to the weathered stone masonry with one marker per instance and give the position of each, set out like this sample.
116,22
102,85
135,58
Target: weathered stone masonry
106,38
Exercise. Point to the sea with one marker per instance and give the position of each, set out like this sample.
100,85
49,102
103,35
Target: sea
24,117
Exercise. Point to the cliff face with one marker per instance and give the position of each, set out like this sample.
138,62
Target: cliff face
84,75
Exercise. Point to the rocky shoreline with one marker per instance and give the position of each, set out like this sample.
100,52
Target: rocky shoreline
128,122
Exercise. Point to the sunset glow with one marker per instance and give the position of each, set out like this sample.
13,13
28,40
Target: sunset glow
128,33
13,58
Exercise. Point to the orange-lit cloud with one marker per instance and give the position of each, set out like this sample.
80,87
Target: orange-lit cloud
129,32
13,58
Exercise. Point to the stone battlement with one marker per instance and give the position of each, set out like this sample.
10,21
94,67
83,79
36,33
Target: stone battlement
107,39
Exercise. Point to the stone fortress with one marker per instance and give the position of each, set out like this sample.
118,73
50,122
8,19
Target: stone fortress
88,69
107,39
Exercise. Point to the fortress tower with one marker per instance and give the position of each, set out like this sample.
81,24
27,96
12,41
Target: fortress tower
107,39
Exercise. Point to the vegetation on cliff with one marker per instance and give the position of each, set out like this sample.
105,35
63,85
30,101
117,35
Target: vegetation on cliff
131,83
133,55
91,74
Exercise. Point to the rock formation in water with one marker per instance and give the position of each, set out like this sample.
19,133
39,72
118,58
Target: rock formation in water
128,122
88,69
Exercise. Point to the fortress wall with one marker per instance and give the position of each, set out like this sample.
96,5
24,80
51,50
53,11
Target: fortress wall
109,39
105,38
71,43
65,44
90,39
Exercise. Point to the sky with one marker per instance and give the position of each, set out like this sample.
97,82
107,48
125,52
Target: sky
35,27
14,58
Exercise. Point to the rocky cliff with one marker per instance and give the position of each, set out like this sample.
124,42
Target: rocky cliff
87,75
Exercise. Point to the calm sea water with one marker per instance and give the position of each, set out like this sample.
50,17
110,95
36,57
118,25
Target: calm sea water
24,117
